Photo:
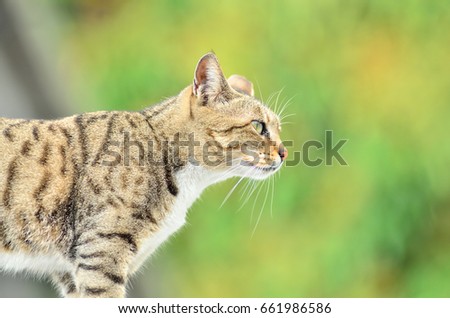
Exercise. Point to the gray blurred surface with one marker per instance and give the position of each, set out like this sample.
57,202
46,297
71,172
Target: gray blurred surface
14,101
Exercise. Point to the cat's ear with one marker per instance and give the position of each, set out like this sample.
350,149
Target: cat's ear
209,82
241,84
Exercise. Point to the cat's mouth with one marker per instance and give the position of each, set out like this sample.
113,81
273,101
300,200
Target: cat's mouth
258,171
268,169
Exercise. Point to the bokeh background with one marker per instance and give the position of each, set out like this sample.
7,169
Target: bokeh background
374,72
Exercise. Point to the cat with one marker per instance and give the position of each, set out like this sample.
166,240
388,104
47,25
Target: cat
76,207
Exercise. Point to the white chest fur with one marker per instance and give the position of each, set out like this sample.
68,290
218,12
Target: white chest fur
191,182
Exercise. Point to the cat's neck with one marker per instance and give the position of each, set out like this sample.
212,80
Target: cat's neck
172,117
172,114
199,177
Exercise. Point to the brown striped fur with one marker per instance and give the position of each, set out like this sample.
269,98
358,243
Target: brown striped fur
65,197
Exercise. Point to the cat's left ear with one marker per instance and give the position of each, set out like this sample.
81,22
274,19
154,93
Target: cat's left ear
209,83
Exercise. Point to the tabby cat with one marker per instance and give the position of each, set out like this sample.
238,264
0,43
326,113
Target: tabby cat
87,199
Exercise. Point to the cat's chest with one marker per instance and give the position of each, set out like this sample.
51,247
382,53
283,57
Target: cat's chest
174,220
190,188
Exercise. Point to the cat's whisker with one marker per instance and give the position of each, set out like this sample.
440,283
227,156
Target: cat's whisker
272,180
259,91
249,191
285,105
229,173
253,186
276,101
256,199
282,119
248,186
234,188
287,115
269,101
262,208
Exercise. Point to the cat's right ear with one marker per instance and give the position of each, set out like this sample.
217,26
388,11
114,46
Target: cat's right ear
209,83
241,84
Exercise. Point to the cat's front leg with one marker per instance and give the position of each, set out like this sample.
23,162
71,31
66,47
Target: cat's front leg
65,282
102,264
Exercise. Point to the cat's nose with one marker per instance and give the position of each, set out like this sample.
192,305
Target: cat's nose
282,151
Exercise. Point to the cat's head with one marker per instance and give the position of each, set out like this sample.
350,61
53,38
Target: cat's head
243,131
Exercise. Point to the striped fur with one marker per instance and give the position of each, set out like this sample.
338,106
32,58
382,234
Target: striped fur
77,208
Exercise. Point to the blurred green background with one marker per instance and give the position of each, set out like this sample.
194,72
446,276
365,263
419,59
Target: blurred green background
374,72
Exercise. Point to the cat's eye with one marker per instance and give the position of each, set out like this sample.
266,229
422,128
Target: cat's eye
260,127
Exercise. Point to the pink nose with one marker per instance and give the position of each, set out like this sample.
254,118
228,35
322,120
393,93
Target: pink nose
282,151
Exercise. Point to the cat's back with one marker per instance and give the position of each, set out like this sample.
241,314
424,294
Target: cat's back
33,144
36,175
47,165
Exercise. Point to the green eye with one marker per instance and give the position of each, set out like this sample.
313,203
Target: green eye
259,127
